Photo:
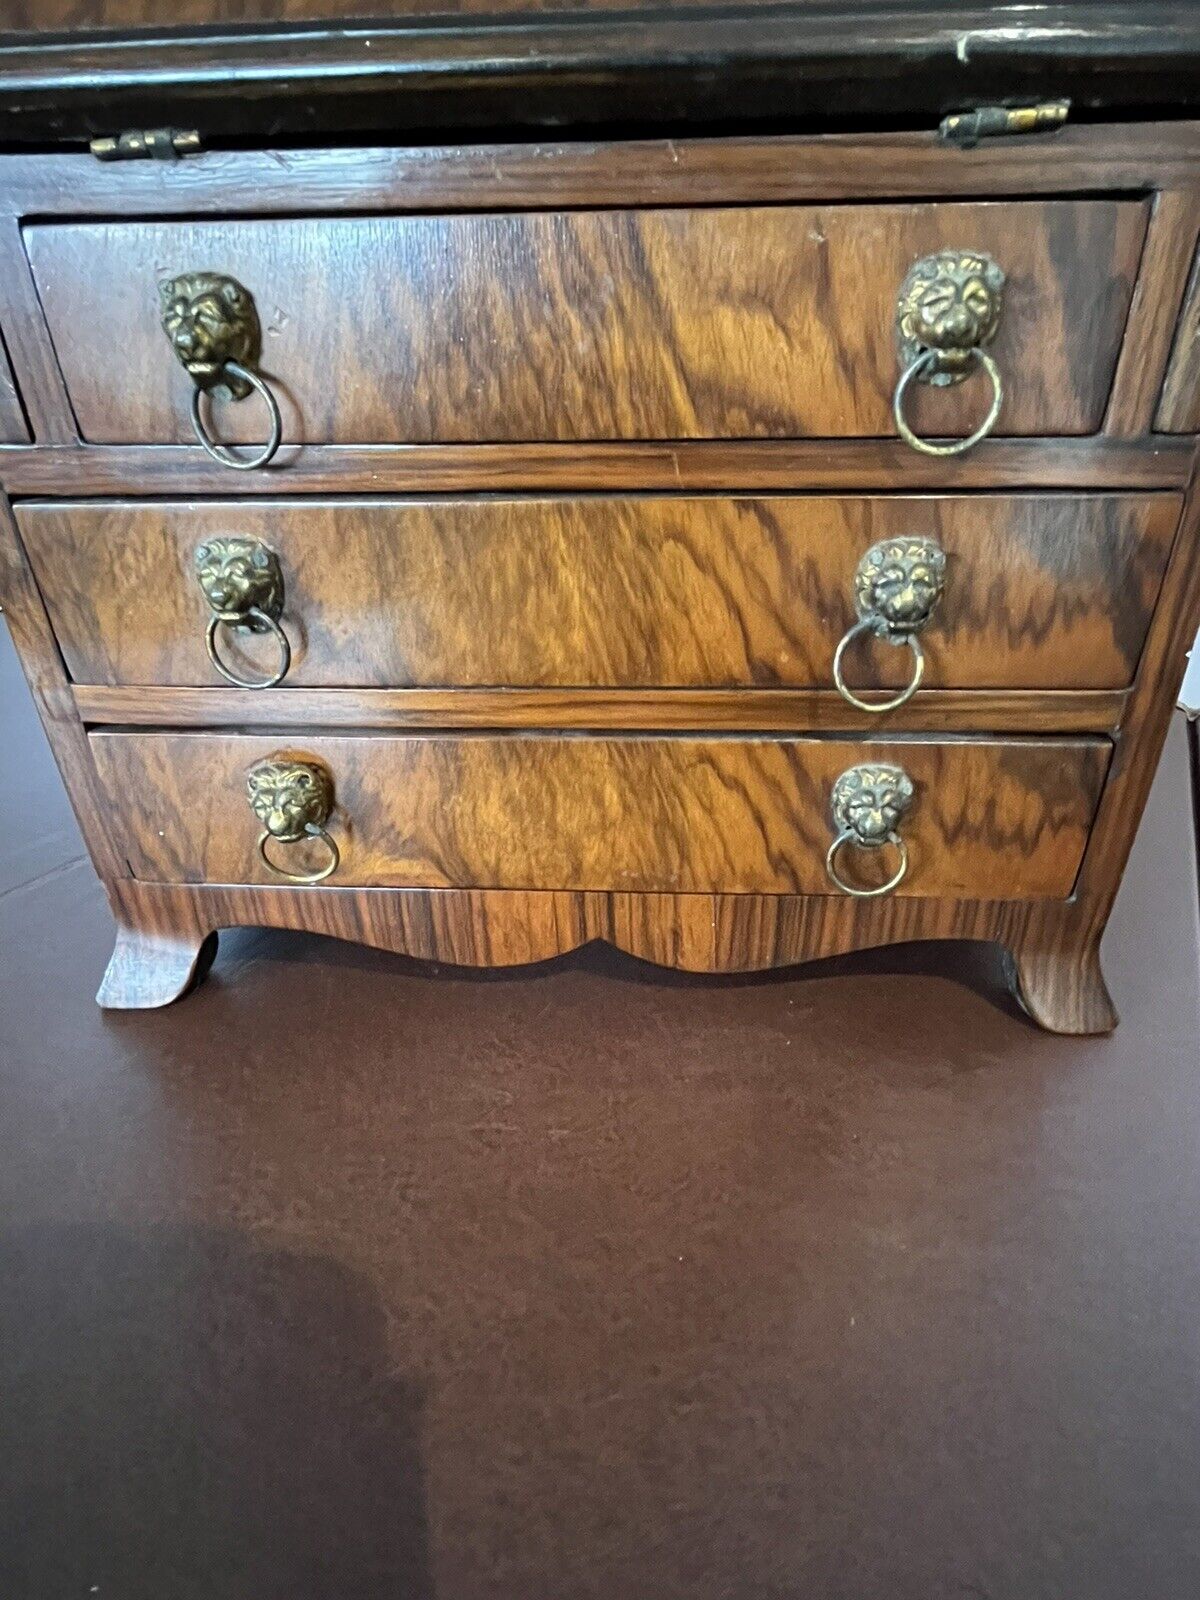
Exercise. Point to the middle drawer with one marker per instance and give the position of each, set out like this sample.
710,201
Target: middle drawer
1037,590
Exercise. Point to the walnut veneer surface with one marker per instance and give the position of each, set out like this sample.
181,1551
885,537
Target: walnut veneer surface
679,324
680,814
583,445
610,591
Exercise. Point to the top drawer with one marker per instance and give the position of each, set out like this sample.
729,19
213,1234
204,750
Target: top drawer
772,322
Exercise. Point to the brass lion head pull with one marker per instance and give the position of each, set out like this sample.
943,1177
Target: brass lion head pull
897,585
948,310
293,800
868,804
214,331
211,322
243,583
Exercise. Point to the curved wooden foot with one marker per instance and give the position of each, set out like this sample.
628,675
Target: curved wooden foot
1063,990
151,969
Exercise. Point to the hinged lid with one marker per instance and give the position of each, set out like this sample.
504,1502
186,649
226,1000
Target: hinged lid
230,68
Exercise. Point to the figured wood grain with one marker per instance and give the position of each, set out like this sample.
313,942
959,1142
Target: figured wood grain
13,427
708,710
27,338
1148,715
755,323
1041,592
1053,942
1170,245
540,174
1055,970
1159,462
25,613
150,968
734,815
1179,406
1061,986
509,927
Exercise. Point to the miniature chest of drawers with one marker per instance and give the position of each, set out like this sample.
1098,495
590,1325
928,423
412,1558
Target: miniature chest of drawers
742,548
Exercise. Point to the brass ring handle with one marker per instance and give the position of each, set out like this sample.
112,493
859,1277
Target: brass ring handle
293,799
212,324
222,453
238,618
893,882
868,803
949,307
311,831
927,360
869,625
898,584
242,581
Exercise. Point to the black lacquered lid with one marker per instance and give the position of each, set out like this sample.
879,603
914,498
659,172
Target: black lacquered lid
293,69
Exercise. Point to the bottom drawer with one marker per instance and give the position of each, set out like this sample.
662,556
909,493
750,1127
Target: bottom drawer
977,818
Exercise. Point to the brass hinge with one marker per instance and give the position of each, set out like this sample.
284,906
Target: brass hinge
147,144
967,128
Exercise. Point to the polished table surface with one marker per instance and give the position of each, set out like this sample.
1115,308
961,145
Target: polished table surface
344,1280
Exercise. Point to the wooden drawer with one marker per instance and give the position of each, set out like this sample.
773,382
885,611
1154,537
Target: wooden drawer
1004,819
766,322
1041,591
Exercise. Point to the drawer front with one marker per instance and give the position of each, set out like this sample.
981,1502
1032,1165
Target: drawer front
988,818
725,323
1041,591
